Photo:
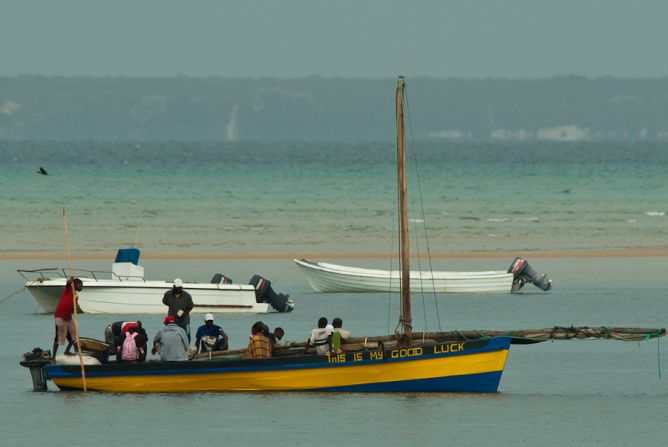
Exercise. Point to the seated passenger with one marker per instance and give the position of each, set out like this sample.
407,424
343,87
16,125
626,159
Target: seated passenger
210,337
339,335
321,338
259,345
171,341
276,337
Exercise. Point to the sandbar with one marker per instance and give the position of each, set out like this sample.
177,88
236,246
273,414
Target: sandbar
641,252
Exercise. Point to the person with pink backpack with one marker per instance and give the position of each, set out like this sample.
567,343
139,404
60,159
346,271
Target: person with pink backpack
132,346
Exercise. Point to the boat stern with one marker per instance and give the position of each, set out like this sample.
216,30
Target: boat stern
36,361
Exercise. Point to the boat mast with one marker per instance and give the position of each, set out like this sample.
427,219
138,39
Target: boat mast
405,318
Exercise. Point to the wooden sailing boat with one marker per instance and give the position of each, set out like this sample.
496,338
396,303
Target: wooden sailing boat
381,366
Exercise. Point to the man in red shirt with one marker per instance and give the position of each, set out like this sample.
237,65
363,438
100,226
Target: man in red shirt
63,316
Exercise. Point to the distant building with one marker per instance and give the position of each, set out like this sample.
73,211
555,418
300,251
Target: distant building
504,134
448,134
563,133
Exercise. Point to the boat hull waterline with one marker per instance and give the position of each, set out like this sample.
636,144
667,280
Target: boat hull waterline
474,366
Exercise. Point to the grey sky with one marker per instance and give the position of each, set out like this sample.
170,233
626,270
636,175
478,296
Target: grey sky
369,39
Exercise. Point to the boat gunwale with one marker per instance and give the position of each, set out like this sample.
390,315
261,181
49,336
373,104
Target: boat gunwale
296,362
418,275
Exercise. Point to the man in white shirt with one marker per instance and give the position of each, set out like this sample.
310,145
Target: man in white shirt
321,338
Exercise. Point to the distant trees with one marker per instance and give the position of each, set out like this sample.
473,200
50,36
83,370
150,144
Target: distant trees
329,109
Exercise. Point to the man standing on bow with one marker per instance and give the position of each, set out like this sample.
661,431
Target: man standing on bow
180,304
65,329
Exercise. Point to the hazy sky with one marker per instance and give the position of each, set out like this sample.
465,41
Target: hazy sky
369,39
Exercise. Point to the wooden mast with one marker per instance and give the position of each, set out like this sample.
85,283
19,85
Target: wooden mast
405,318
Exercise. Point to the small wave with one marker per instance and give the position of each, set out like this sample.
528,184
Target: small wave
655,213
497,219
416,220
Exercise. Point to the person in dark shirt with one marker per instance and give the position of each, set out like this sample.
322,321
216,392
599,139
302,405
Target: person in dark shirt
180,304
210,337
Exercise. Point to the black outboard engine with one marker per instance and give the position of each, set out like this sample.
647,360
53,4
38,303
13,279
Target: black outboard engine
265,294
219,278
523,273
36,360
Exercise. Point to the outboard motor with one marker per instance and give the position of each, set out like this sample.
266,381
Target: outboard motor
219,278
265,294
523,273
36,360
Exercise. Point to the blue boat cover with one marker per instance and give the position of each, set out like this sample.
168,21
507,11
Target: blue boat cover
128,255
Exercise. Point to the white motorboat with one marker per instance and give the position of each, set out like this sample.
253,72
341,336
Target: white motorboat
325,277
126,291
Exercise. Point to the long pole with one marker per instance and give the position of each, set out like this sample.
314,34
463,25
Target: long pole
405,318
74,302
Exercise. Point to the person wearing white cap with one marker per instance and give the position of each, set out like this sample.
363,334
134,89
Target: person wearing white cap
210,337
180,304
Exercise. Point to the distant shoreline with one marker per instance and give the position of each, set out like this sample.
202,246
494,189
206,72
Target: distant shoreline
506,254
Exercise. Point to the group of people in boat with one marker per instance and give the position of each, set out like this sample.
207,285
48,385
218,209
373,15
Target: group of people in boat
128,340
328,338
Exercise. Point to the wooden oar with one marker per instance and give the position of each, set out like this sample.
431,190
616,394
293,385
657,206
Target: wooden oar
74,302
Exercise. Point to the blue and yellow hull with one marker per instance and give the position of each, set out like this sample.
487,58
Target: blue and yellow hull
474,366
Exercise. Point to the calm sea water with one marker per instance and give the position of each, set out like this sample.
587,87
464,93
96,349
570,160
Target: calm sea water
230,197
189,198
551,394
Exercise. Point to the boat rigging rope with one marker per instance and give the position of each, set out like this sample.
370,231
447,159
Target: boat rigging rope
658,353
285,272
395,212
424,218
13,294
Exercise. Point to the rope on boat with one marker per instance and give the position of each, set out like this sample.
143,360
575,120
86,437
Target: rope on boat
285,272
658,354
424,219
12,295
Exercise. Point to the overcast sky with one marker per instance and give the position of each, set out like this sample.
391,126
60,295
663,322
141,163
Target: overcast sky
357,38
